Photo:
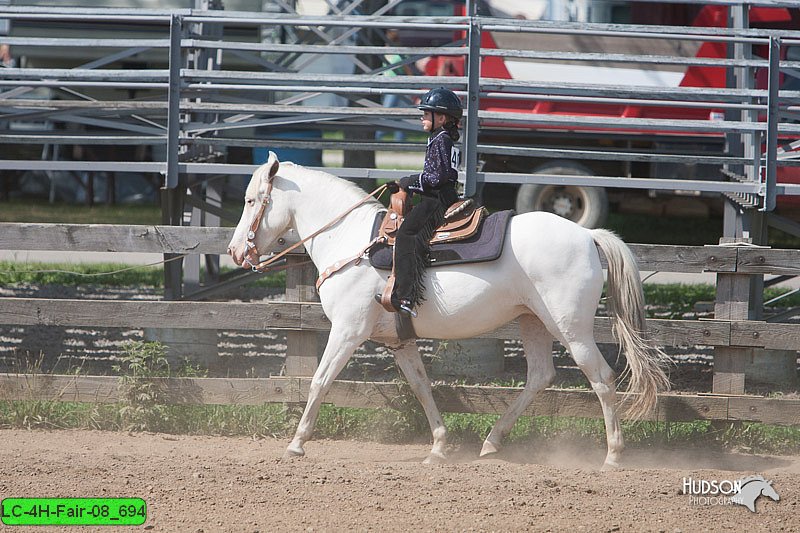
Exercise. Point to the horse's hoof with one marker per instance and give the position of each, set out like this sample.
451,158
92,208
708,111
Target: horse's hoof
489,449
292,453
609,466
435,459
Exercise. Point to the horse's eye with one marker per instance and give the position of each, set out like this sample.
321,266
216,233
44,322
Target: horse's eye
249,201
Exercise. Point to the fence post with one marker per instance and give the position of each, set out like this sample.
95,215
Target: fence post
302,347
197,346
773,118
473,91
733,296
734,290
171,192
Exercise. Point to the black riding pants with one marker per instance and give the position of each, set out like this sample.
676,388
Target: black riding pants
412,243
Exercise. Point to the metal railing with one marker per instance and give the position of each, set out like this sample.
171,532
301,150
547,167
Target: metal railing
160,100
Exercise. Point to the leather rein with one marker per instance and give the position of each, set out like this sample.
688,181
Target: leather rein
252,256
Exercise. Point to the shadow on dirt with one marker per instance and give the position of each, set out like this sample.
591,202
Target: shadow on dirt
588,456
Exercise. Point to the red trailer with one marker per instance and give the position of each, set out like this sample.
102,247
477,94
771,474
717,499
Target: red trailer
589,205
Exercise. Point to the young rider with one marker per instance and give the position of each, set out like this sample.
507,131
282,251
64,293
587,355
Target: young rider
436,185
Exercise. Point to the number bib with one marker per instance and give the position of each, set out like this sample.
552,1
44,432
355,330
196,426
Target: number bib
455,158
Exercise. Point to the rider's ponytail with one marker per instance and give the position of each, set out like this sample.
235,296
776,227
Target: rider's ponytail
451,127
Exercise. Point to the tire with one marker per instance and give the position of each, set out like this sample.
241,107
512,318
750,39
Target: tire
586,206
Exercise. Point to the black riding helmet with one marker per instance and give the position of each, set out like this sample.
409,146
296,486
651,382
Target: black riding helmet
443,101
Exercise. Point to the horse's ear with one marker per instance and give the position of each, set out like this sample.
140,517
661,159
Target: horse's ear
272,165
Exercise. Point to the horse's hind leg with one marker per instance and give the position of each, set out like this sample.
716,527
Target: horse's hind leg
538,345
410,363
341,345
601,376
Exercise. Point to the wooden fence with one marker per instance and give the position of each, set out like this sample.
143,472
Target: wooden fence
736,337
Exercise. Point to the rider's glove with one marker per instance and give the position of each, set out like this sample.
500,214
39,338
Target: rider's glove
407,181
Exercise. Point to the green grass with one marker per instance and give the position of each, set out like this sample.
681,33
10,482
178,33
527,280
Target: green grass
667,294
672,300
72,274
43,212
105,274
390,426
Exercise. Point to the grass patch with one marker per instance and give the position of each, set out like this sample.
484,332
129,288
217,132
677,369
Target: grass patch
29,210
72,274
105,274
390,426
41,211
673,300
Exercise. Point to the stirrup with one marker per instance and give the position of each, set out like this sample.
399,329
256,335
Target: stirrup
405,307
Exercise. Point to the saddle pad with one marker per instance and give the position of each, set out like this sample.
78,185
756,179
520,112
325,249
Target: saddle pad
485,245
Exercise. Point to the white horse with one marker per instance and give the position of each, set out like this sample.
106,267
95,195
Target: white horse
548,276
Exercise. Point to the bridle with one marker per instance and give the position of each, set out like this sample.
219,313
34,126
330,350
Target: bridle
252,256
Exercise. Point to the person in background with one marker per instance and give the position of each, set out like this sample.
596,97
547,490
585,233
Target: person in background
392,99
5,56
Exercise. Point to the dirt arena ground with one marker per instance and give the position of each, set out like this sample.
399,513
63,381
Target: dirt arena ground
212,484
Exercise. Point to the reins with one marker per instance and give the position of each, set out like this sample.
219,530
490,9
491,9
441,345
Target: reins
252,251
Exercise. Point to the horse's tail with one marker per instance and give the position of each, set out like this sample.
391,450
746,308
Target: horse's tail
645,362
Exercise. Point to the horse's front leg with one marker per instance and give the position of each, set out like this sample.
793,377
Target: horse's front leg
410,363
342,342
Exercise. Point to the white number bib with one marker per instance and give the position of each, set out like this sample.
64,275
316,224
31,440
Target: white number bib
455,157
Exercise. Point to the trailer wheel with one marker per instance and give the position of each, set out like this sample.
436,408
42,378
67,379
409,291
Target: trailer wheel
587,206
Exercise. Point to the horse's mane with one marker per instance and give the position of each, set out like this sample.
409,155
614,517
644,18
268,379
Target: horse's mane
348,191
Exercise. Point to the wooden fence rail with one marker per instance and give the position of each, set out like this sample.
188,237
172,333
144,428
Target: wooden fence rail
449,398
310,317
205,240
303,316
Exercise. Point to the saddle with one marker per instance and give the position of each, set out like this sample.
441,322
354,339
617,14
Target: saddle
468,235
461,221
463,237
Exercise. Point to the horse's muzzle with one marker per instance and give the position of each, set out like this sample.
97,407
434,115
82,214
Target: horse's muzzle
237,258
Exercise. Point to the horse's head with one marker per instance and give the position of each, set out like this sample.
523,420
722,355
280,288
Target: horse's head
264,219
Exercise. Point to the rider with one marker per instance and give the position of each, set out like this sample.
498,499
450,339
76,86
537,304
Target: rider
436,185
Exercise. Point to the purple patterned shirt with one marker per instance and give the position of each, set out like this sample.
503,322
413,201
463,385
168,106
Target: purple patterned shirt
441,162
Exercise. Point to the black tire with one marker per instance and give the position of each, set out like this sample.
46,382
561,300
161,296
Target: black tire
587,206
